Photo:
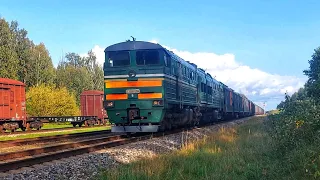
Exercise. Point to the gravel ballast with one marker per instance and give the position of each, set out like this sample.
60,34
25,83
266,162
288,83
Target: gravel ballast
88,165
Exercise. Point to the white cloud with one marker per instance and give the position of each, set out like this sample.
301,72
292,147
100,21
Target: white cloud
256,84
98,51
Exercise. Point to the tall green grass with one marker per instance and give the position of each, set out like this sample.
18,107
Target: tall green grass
243,152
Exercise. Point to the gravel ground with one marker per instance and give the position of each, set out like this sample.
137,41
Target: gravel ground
86,166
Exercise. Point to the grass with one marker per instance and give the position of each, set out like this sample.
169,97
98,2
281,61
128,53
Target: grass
243,152
56,125
58,132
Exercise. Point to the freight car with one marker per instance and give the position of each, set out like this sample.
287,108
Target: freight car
91,104
149,88
13,109
92,111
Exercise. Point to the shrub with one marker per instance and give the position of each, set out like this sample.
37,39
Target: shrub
297,124
47,100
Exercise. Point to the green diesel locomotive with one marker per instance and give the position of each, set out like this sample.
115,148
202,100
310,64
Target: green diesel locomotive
149,88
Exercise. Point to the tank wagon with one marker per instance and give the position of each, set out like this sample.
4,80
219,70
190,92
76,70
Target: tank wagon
149,88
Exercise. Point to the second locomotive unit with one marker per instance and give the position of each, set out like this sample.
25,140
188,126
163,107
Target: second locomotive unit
149,88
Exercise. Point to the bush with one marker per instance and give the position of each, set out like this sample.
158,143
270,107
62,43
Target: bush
297,124
46,100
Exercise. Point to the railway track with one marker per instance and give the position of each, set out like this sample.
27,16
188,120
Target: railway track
45,130
15,160
63,137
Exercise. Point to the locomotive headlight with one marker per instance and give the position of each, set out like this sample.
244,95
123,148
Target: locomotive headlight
108,104
157,103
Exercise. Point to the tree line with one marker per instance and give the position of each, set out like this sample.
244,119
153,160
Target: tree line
21,59
296,128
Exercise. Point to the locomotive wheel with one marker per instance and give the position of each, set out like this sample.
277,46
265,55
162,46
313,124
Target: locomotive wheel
169,126
129,134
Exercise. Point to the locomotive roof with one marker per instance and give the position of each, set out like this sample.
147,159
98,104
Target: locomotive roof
11,82
132,45
144,45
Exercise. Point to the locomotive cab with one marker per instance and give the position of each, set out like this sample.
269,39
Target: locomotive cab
134,97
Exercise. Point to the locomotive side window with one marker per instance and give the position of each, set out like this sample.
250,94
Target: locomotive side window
119,58
148,57
167,60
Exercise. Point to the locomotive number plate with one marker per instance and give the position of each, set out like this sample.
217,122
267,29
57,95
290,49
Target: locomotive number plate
133,91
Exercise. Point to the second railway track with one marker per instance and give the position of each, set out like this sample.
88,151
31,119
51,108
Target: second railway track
63,137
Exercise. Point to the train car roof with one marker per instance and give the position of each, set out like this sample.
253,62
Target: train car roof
11,82
92,92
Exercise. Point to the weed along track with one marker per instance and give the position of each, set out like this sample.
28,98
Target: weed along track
93,142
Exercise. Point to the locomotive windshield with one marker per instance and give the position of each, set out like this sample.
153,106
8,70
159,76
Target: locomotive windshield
148,57
118,58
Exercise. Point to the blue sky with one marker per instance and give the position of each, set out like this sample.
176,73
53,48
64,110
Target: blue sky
275,37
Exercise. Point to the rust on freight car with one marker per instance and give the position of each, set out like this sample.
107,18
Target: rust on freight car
91,104
12,104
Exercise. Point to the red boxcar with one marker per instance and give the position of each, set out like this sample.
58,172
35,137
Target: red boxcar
12,104
91,104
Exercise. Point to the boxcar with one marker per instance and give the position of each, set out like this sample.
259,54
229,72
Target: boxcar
91,104
12,104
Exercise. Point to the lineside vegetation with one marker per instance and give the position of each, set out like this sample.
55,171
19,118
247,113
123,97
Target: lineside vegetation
248,151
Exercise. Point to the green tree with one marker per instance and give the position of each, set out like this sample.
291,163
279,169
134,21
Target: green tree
75,79
80,73
22,46
95,70
46,100
40,68
313,73
9,64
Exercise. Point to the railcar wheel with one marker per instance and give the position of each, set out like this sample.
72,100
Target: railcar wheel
28,127
23,128
2,130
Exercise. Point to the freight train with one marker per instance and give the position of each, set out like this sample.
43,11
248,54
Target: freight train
13,114
148,88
